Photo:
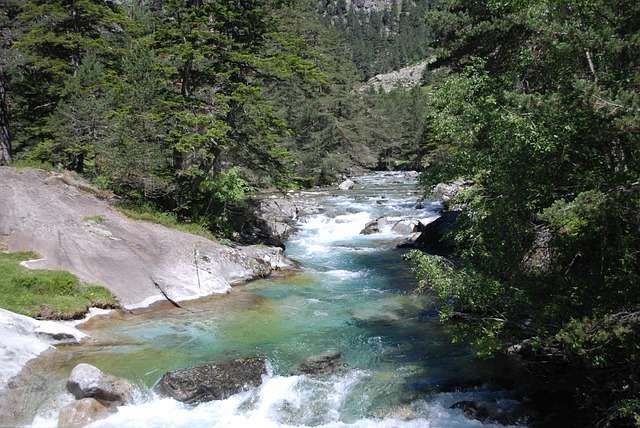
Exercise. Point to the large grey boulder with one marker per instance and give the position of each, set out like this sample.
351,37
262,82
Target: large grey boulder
375,226
370,228
346,185
406,226
325,363
448,191
433,236
87,381
213,381
270,219
82,412
132,257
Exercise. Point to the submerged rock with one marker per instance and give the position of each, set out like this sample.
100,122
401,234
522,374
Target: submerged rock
487,411
325,363
346,185
81,413
402,412
87,381
213,381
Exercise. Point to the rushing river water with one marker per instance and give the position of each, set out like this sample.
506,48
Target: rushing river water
354,296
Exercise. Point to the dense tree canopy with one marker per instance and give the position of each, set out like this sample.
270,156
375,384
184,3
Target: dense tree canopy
381,39
185,105
540,108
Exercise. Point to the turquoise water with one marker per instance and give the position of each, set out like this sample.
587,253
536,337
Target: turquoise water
354,296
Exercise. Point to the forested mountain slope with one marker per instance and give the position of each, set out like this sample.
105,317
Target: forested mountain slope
384,35
187,106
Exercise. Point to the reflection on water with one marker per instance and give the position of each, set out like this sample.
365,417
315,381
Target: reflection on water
354,296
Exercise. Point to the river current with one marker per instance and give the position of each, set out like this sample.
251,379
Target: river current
354,295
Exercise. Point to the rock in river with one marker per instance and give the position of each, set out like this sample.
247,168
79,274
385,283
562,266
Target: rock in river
81,413
87,381
346,185
370,228
375,226
406,226
213,381
325,363
485,411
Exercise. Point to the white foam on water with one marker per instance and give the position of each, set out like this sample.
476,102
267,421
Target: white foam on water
23,338
284,402
344,274
319,232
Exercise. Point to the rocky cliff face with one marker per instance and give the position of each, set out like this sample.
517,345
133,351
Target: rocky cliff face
405,78
384,35
359,5
373,5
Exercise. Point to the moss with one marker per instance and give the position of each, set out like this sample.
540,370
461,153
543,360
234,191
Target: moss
151,214
46,293
94,219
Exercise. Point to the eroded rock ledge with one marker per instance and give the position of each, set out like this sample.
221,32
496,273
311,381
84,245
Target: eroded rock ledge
129,257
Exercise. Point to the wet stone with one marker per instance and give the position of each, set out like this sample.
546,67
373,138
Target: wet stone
326,363
213,381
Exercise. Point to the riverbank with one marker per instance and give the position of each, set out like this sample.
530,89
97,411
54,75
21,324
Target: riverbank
74,230
354,296
24,339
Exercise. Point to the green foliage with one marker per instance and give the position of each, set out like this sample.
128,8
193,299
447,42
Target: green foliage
468,300
382,39
43,293
186,106
31,163
578,218
151,214
537,103
629,410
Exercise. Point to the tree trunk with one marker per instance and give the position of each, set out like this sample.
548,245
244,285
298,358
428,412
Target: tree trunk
186,78
5,138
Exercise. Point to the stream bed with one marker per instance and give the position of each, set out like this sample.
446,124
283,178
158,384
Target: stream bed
354,295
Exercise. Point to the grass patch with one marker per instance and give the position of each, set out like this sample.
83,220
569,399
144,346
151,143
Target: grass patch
98,219
151,214
32,163
46,293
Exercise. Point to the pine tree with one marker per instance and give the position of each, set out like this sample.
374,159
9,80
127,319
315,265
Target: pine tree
56,36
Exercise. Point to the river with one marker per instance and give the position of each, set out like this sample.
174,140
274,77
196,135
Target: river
354,295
